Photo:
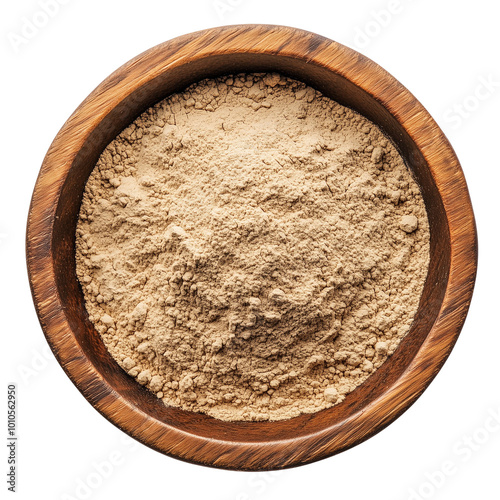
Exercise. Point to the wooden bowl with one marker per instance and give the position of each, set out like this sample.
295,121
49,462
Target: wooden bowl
349,78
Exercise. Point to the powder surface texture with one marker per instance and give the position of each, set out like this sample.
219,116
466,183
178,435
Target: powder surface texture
251,249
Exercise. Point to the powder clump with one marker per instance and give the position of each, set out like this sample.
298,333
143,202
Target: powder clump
251,249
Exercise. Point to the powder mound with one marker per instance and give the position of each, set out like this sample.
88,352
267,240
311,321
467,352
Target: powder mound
251,249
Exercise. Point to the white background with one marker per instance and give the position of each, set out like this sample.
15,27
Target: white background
443,51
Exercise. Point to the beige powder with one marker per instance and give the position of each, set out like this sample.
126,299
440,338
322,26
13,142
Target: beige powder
251,249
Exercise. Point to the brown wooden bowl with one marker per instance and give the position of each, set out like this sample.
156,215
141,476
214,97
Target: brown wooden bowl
352,80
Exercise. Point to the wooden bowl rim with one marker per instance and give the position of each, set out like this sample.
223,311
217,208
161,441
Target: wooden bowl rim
445,170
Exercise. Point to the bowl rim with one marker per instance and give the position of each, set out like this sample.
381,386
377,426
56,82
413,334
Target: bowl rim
430,140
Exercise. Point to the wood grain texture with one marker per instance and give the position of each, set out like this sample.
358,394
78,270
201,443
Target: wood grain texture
354,81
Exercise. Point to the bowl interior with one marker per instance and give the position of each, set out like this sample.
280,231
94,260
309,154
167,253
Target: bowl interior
332,85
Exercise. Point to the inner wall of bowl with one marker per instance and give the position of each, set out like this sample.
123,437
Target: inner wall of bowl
175,80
